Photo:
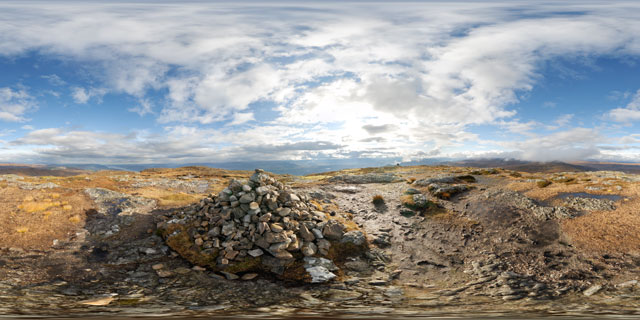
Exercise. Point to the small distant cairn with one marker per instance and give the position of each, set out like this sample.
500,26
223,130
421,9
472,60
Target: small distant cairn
261,225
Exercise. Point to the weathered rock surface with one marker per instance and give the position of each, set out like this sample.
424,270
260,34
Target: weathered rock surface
367,178
590,204
522,202
112,202
261,225
445,179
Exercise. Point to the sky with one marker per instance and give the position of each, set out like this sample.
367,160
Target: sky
193,82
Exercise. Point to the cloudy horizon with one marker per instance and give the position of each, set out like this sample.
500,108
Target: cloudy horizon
134,82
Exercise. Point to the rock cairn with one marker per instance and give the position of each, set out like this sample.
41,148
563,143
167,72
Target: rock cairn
259,224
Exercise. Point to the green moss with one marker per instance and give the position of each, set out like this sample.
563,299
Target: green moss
407,213
467,178
543,183
485,172
296,272
179,240
246,265
128,302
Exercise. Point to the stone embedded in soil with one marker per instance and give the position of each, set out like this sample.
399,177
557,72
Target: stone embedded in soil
320,269
258,225
592,290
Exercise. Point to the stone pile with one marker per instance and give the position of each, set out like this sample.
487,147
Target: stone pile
253,225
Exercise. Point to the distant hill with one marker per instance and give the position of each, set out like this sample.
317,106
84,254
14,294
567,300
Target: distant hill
611,166
524,166
39,170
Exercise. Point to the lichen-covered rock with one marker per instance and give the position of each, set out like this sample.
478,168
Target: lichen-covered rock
260,225
590,204
319,269
445,191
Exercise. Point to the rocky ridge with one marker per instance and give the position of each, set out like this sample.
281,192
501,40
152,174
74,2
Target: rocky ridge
261,225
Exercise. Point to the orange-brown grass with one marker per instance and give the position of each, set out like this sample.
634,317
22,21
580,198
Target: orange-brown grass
608,231
167,198
599,232
33,219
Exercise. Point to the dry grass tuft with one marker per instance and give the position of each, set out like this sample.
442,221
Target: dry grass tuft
378,200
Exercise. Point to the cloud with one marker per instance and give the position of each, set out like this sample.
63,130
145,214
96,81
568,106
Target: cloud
54,80
630,113
14,103
573,144
374,139
241,118
410,78
373,129
82,95
295,146
560,122
144,107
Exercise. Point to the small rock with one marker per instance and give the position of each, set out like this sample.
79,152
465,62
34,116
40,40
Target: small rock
255,252
99,301
182,270
229,275
249,276
157,266
592,290
164,273
627,284
333,230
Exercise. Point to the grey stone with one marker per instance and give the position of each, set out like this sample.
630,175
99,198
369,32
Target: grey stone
333,230
255,252
306,234
247,198
309,249
355,237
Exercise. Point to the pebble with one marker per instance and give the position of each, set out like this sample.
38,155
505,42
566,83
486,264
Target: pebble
164,273
229,275
592,290
157,266
249,276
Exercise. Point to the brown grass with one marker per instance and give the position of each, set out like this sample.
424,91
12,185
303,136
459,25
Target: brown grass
33,219
598,232
609,231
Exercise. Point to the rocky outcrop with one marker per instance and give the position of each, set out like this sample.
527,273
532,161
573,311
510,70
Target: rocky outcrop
522,202
590,204
261,225
113,203
444,179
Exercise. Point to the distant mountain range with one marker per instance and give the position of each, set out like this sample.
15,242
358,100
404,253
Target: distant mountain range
304,167
547,167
